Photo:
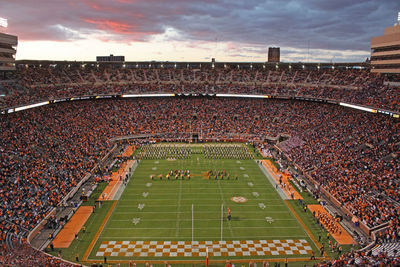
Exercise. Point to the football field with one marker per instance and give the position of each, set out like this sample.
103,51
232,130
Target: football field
177,217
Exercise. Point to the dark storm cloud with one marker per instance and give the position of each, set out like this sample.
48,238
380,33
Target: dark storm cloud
319,24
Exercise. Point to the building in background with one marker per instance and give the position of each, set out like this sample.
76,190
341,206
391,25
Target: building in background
110,58
385,51
8,50
274,54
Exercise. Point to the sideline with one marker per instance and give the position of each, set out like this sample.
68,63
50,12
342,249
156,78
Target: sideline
73,226
309,233
342,237
94,240
116,181
285,178
272,181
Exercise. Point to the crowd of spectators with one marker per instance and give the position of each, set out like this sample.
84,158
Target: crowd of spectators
37,83
45,151
356,259
22,254
356,159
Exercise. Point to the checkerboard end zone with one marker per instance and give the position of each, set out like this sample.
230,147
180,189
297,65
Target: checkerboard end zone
232,248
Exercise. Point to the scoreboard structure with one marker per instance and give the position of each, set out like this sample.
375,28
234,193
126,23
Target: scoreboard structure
110,58
274,54
8,50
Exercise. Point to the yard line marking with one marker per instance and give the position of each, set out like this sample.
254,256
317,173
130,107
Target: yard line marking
174,212
178,214
172,184
183,194
189,205
189,220
188,228
174,194
223,202
187,199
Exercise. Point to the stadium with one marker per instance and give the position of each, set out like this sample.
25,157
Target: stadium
158,163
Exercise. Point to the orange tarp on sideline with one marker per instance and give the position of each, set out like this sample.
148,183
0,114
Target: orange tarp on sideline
73,226
115,182
286,187
128,151
342,237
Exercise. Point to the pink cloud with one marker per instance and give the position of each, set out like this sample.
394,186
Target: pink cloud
114,26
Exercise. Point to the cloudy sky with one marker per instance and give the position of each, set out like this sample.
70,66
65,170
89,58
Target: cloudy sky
197,30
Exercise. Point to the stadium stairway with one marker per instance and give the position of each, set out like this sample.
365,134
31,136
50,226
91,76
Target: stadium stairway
392,249
42,240
9,240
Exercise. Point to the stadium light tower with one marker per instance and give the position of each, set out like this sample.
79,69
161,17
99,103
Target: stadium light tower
398,17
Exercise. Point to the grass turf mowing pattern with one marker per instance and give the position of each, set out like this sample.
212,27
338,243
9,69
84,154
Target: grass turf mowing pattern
163,208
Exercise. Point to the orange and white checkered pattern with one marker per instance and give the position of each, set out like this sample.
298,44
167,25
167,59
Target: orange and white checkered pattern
230,248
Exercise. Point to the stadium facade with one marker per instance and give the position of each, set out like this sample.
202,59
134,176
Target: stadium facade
8,44
385,51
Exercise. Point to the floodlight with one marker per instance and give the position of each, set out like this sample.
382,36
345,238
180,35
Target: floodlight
398,17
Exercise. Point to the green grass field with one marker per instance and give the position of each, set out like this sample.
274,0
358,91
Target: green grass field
186,210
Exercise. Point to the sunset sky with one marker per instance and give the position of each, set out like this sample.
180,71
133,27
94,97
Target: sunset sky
188,30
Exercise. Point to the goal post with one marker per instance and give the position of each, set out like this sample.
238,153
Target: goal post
222,220
192,223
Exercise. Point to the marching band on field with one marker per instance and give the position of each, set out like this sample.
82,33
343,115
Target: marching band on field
233,151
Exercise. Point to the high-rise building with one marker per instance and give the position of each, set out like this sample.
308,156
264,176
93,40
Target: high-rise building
385,51
274,54
8,50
